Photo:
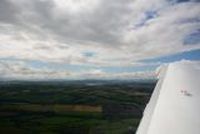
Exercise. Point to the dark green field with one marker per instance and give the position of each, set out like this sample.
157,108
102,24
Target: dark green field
72,107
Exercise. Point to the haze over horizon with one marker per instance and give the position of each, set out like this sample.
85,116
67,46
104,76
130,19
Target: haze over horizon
95,39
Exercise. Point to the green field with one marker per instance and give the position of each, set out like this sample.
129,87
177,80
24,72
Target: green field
72,107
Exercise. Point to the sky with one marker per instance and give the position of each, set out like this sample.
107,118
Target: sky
95,39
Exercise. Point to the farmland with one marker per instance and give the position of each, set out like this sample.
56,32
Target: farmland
73,107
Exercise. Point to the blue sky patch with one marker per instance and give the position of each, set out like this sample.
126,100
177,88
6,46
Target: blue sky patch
182,1
178,1
129,69
89,54
193,38
151,14
188,55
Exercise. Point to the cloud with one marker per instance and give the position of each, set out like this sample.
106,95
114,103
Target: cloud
21,70
96,33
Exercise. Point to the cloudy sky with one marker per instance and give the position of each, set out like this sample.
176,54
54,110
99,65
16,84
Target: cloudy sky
84,39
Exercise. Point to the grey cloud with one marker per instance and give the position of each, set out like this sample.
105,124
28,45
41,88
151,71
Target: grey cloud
103,24
8,12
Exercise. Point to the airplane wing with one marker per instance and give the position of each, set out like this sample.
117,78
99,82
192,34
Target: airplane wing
174,107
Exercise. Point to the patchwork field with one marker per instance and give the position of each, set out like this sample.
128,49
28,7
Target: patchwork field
72,107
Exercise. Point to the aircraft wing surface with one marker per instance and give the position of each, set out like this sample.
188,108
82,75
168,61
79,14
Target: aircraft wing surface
174,107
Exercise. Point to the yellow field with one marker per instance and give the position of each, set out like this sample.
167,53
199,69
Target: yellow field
57,108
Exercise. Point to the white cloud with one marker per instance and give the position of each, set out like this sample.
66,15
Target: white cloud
62,30
21,70
76,6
